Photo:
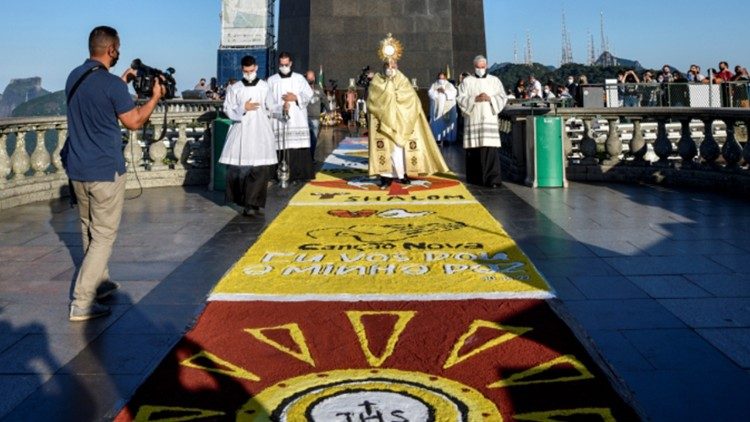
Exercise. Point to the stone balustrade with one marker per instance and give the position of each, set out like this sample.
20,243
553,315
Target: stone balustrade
31,169
700,147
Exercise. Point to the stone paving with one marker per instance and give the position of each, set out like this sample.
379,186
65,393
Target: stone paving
656,279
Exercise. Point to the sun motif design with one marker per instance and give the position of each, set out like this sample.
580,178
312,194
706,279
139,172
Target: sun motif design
379,384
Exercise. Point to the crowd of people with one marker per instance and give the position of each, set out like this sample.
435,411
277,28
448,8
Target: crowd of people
630,84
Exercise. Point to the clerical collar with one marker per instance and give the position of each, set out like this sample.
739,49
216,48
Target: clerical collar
288,75
253,83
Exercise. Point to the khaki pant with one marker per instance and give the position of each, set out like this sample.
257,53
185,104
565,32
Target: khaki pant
100,208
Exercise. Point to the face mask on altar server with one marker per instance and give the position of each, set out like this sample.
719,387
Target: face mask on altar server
285,69
250,76
480,72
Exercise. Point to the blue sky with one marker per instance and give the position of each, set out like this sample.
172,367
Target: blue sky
48,38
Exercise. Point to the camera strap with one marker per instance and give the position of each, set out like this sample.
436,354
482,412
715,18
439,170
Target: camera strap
80,80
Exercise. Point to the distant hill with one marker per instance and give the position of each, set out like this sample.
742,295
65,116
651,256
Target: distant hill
18,92
607,59
47,105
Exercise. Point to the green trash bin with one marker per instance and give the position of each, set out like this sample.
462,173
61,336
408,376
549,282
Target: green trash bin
219,138
545,155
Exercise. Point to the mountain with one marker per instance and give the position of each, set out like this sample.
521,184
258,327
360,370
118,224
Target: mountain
18,92
47,105
607,59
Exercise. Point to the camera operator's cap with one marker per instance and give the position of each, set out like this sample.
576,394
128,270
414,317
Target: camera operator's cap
390,49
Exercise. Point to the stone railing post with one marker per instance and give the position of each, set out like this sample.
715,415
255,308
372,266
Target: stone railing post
638,147
20,159
709,148
133,151
157,151
180,151
731,151
662,145
686,147
40,158
746,148
567,142
4,159
613,144
588,143
62,135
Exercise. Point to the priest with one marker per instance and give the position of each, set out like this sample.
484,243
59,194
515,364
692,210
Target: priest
288,99
401,145
481,97
443,113
250,148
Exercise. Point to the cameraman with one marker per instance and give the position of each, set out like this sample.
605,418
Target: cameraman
93,159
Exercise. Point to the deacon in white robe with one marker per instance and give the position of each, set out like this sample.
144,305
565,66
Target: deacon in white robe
250,148
443,113
288,99
481,97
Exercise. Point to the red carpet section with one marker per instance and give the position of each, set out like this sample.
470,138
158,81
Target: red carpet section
470,360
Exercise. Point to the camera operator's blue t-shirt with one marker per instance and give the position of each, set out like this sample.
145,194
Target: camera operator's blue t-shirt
93,151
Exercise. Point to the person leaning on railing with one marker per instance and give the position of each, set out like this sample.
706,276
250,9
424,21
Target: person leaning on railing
631,94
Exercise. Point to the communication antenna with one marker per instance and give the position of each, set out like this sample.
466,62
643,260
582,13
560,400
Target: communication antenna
515,50
567,49
592,51
529,59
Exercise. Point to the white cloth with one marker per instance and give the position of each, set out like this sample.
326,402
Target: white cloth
443,113
397,159
295,133
481,127
250,140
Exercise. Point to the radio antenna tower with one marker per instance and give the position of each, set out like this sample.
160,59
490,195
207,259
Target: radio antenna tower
529,59
567,50
605,43
515,50
592,51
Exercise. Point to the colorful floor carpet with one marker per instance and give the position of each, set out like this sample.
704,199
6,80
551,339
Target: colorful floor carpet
365,304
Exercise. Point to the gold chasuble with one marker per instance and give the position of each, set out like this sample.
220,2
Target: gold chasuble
397,118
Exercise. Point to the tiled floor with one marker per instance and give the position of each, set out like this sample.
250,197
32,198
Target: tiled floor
654,277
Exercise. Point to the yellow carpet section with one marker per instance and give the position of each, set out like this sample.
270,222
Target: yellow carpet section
344,237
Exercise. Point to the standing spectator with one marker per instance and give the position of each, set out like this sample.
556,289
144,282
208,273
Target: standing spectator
314,108
534,89
201,85
740,74
724,74
572,88
631,91
649,89
93,159
695,75
665,76
547,92
520,89
250,150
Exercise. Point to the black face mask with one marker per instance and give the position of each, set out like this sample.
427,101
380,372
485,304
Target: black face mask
115,59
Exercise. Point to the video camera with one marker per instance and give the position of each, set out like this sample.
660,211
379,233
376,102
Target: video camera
145,76
363,80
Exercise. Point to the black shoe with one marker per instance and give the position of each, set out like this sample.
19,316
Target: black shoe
405,181
385,182
496,185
